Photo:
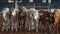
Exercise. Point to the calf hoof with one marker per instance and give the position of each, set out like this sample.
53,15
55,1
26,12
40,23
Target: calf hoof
23,30
12,30
2,29
16,30
29,29
6,29
36,31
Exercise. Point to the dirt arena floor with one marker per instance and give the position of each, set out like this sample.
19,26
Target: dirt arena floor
27,32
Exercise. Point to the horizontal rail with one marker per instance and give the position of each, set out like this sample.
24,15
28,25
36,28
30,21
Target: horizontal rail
37,6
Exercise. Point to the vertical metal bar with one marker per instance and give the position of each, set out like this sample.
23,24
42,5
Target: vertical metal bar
16,4
34,4
49,9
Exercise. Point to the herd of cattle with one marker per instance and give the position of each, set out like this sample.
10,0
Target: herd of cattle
30,19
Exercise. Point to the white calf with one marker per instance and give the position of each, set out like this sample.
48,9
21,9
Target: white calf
6,19
34,15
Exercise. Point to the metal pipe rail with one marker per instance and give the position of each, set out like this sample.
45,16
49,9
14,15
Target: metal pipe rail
37,6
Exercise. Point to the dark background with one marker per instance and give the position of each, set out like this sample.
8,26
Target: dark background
5,3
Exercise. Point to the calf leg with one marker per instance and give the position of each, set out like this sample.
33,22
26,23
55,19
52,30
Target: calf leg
37,26
15,24
7,25
3,27
33,27
29,26
19,24
23,25
12,27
